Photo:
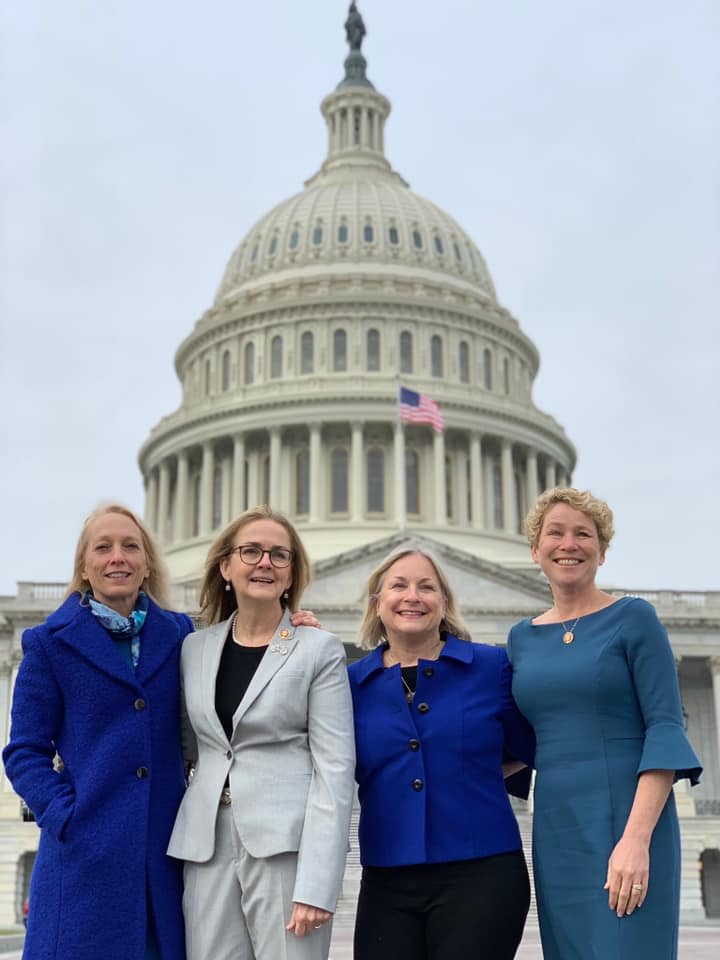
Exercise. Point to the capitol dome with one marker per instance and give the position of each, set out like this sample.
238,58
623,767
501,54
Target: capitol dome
336,298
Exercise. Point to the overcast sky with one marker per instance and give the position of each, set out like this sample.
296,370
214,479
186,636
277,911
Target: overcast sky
575,140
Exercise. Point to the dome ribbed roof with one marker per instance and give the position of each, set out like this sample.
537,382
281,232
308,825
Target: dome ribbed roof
369,218
356,209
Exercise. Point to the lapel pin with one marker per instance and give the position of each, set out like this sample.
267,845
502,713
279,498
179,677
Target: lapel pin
278,648
284,634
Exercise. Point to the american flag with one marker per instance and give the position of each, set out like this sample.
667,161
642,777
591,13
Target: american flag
419,408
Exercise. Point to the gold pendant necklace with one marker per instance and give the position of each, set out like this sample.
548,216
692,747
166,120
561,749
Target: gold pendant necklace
409,692
569,634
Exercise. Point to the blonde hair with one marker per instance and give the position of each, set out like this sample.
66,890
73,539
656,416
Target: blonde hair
595,509
217,603
157,582
372,629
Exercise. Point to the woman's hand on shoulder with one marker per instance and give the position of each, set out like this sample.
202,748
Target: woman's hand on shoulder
306,919
304,618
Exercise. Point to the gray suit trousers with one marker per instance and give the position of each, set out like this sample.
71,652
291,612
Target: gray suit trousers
237,907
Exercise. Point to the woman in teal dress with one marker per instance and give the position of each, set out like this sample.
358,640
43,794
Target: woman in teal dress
595,676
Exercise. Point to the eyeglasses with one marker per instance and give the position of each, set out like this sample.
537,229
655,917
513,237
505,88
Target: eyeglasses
252,553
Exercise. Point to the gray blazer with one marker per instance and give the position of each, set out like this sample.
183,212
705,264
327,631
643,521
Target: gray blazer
291,757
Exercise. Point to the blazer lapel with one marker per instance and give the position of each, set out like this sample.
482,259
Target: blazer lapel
277,654
213,644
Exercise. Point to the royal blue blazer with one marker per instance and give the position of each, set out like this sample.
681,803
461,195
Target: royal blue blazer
429,775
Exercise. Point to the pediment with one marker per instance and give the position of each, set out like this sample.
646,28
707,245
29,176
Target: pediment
340,582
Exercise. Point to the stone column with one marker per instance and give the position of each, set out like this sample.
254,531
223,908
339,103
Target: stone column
238,490
715,672
180,524
5,700
151,496
315,467
163,502
510,522
439,477
226,513
357,474
476,483
275,468
399,457
531,479
550,475
206,488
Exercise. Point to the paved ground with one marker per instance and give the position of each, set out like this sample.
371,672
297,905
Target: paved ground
696,943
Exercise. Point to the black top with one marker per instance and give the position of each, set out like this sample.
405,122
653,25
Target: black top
237,668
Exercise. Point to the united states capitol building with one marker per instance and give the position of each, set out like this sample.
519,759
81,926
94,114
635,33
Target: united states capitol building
334,299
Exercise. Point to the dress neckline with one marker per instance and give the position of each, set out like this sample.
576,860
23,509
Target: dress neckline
584,616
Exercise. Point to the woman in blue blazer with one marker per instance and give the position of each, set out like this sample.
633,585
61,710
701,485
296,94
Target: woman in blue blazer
444,876
95,753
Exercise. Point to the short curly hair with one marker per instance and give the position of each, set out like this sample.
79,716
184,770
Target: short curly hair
597,510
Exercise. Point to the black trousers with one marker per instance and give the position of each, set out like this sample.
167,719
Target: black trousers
464,910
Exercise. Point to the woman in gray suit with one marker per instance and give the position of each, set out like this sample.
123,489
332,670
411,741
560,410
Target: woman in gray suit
263,826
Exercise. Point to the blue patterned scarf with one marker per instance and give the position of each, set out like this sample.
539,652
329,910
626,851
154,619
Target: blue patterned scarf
121,628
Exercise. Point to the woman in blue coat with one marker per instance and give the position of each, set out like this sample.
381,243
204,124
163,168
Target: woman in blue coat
444,877
95,753
595,675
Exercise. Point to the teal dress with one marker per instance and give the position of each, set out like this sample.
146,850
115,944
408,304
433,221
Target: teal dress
604,708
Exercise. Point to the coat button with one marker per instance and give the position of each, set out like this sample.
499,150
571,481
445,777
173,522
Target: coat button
229,754
417,785
423,707
428,671
414,744
142,773
139,704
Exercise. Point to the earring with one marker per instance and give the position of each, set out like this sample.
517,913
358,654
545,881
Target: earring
286,596
227,586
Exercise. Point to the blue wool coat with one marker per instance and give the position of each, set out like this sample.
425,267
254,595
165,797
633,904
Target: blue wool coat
106,818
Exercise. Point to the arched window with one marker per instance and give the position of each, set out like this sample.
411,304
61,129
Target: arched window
294,240
339,351
208,378
307,353
487,369
249,367
254,254
276,357
393,236
449,501
497,490
339,481
343,233
406,352
217,496
417,239
439,248
317,235
464,361
195,505
375,481
225,371
373,349
412,482
456,250
302,482
265,479
272,249
368,233
436,356
506,375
